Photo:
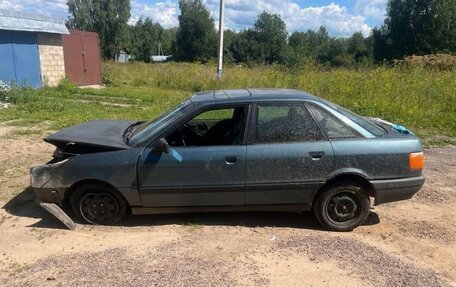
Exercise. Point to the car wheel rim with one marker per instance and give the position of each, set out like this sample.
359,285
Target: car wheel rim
99,208
343,208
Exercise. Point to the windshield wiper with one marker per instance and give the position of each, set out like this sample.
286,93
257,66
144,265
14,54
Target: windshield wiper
128,131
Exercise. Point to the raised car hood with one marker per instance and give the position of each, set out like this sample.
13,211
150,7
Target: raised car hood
99,134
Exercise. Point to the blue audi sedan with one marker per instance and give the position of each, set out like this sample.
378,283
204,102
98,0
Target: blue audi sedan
233,150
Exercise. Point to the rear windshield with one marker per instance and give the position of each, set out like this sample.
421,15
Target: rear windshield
363,122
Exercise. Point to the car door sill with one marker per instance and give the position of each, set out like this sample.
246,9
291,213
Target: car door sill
232,208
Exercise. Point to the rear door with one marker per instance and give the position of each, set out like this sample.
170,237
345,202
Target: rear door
288,158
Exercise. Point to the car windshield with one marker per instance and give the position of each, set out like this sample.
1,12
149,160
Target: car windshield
143,131
363,122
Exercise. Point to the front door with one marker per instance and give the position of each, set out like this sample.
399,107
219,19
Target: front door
205,165
289,158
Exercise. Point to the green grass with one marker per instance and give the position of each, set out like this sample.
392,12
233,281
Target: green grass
422,100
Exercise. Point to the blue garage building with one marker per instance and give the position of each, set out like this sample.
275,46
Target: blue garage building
29,48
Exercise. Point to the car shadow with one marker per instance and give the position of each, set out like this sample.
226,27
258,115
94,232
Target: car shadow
24,205
303,220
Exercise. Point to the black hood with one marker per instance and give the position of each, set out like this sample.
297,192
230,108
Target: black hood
95,135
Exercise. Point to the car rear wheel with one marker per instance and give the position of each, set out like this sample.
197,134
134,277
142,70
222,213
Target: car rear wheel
342,207
97,204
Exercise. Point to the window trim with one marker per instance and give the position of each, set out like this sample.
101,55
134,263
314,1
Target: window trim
254,119
347,122
316,122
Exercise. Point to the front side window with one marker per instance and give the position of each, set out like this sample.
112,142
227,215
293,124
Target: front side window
219,126
332,126
145,130
280,123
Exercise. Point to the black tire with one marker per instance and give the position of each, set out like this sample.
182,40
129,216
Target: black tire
342,207
98,204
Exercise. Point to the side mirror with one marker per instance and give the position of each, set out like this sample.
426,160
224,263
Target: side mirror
161,146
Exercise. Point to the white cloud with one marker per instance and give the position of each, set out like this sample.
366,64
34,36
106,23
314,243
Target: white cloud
375,9
239,14
57,8
164,13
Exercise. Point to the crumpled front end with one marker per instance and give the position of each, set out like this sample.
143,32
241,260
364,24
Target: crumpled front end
44,182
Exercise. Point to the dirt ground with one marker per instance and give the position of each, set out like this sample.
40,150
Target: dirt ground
409,243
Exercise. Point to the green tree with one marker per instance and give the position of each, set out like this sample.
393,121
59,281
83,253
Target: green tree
229,36
382,44
196,38
144,39
299,48
445,26
245,48
168,41
358,46
270,32
416,27
410,27
309,44
108,18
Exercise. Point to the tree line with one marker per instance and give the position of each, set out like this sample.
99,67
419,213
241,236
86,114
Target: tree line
411,27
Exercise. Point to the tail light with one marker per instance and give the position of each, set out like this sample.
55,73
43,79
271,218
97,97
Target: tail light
416,160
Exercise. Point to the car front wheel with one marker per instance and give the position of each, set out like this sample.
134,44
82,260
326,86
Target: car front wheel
342,207
97,204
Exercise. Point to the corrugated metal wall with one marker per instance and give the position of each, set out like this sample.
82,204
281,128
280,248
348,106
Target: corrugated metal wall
82,57
19,58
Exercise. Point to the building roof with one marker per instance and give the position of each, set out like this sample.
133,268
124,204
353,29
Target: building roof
20,21
252,94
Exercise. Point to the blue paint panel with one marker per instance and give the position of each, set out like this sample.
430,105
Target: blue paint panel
26,59
7,71
20,61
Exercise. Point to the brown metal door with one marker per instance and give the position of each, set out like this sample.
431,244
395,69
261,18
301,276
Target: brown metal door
82,57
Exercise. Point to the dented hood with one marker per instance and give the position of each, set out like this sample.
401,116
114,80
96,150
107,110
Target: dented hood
100,133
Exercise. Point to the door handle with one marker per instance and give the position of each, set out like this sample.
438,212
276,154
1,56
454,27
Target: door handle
231,159
316,155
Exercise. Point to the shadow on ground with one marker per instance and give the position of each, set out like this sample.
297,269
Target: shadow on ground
24,205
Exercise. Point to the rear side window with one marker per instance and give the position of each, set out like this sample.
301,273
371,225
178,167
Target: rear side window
280,123
332,126
363,122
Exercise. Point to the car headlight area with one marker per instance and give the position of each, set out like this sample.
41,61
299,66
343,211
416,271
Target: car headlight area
40,175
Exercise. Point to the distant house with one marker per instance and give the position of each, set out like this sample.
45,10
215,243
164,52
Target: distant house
161,56
31,50
122,56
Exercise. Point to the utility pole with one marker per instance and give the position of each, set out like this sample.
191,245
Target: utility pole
220,48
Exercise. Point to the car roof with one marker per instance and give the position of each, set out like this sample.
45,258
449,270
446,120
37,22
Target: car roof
242,95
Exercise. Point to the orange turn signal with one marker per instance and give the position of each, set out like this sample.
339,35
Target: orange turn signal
416,160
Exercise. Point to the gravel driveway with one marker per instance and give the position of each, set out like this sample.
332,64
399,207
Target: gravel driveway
410,243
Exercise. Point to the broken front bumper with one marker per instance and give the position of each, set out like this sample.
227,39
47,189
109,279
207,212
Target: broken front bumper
55,210
49,197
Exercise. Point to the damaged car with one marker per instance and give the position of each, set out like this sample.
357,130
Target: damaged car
233,150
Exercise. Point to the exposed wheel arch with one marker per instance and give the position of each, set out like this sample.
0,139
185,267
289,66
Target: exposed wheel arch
104,185
347,177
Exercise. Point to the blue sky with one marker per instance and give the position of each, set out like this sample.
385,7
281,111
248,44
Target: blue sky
341,17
